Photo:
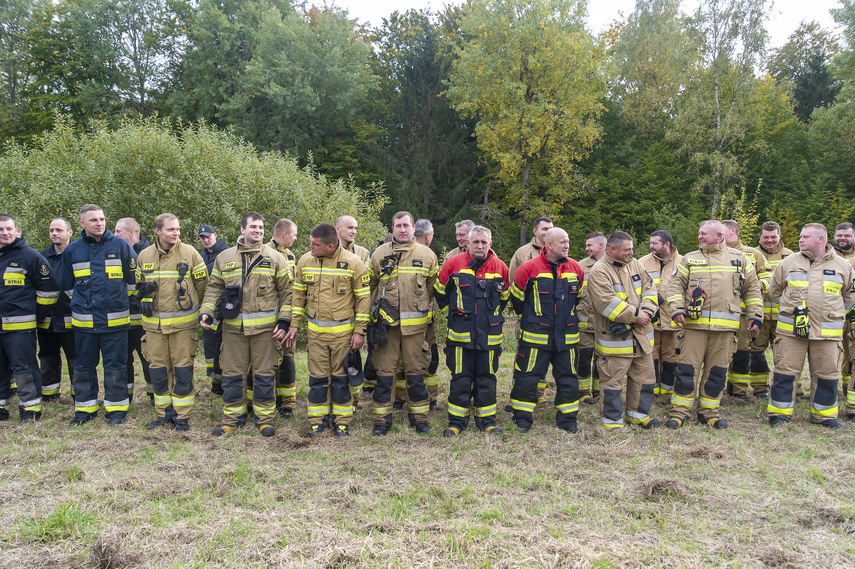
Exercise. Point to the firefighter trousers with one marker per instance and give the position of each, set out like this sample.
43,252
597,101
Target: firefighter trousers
51,347
135,337
824,358
112,349
758,370
18,354
473,381
589,376
406,351
666,351
212,341
239,352
285,375
706,351
638,376
170,359
530,368
329,387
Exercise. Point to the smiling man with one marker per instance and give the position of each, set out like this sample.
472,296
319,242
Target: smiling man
171,279
249,291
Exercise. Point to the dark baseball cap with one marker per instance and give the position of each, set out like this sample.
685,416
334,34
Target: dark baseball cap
206,230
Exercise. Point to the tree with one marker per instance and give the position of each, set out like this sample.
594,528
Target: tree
730,39
650,59
532,76
805,60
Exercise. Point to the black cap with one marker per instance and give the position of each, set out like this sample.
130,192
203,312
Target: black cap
353,368
206,230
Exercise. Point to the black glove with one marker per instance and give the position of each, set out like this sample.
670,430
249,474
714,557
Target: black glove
147,306
146,288
206,318
620,330
434,359
381,335
850,316
753,321
283,324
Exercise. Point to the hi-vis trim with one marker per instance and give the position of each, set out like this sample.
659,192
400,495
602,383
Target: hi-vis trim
81,269
254,318
26,322
615,307
798,280
414,318
712,318
614,347
330,326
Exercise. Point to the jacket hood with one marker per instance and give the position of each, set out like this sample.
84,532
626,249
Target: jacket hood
829,253
107,235
18,242
246,249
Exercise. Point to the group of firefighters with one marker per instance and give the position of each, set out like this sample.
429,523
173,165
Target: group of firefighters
617,331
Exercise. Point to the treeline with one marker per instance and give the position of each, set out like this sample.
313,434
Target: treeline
499,111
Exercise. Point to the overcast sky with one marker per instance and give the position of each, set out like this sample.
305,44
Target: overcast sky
785,18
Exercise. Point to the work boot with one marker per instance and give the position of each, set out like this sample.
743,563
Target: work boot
523,426
159,422
831,424
266,430
4,414
493,430
412,419
380,429
181,425
451,432
222,430
342,431
570,427
587,400
673,423
778,421
422,427
716,423
81,419
649,423
285,412
116,421
315,430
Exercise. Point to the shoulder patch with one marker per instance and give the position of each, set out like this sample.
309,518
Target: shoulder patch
366,278
309,278
341,265
736,262
696,261
148,266
636,277
229,265
265,263
418,263
829,272
200,274
13,264
132,263
112,256
44,270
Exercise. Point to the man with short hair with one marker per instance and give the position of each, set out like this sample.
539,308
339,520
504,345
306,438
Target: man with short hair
55,335
461,233
774,251
423,235
99,274
623,303
589,377
171,279
128,229
250,291
661,265
739,370
472,290
29,289
402,278
424,232
814,291
706,296
331,291
285,371
844,246
345,227
544,294
212,338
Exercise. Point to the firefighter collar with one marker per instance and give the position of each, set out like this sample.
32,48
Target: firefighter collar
614,262
714,247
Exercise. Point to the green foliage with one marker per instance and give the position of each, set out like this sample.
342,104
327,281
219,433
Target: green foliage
743,211
147,167
66,521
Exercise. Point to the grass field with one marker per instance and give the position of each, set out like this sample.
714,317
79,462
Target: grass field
106,497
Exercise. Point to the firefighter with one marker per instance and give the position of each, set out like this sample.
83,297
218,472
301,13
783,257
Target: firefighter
461,233
331,291
345,227
623,302
472,290
589,376
285,372
705,297
29,289
99,274
525,253
774,251
814,292
128,230
55,335
171,279
544,294
661,265
844,246
739,370
402,278
249,291
212,339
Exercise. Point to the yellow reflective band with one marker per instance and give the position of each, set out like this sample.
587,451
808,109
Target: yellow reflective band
458,411
494,339
571,407
342,410
234,409
485,411
708,403
535,291
533,338
523,405
458,336
570,339
682,401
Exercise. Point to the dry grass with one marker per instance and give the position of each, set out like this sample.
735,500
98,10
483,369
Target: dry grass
126,497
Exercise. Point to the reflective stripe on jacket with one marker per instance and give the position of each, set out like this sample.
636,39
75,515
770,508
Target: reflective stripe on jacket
405,273
28,290
661,272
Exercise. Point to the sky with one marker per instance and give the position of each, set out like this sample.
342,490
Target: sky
785,18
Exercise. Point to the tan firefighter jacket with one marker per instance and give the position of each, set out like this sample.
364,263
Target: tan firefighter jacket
825,287
583,307
661,272
285,252
727,277
263,274
404,273
770,308
332,294
359,251
176,301
619,292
